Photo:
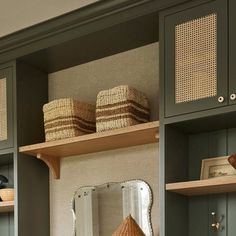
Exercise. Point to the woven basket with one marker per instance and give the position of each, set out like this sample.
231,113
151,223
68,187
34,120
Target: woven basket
129,227
120,107
66,118
7,194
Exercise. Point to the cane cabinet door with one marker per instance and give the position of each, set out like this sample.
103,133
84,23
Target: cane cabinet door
6,114
195,50
232,52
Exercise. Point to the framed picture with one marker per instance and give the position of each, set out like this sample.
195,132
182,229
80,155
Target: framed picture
216,167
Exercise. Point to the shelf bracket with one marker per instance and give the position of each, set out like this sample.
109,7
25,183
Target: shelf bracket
53,163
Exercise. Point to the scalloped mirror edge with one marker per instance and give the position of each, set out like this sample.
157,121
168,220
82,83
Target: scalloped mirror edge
123,184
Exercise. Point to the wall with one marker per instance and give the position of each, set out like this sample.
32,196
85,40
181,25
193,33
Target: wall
139,68
15,15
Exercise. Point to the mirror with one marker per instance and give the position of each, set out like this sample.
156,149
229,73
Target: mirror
99,210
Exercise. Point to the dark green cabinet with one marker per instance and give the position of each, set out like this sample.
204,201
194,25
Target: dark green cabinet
6,105
196,57
192,215
232,51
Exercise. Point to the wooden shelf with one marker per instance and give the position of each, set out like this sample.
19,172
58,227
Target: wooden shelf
51,152
204,187
6,206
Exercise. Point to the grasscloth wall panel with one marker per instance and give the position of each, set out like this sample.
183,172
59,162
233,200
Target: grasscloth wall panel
138,68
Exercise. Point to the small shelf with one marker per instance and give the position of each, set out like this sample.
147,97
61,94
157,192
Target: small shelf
6,206
204,187
51,152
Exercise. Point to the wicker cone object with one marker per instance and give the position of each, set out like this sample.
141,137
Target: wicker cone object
120,107
129,227
66,118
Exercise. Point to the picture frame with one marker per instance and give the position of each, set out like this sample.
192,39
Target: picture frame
216,167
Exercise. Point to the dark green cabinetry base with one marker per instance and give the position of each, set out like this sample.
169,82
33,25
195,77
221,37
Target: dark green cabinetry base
191,216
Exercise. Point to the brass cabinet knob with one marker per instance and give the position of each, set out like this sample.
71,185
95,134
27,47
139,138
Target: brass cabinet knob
232,96
216,222
215,226
221,99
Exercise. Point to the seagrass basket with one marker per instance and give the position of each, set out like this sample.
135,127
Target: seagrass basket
129,227
66,118
7,194
119,107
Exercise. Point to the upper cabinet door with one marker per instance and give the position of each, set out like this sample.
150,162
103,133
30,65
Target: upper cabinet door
232,52
196,51
6,113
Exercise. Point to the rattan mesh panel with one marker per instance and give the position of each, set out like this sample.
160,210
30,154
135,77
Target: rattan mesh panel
196,59
3,109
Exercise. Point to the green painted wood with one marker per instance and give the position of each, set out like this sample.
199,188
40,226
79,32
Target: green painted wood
176,156
231,214
198,216
232,49
96,45
93,18
176,215
231,196
176,169
7,219
198,150
6,72
32,175
212,119
198,206
218,144
162,182
220,8
231,141
218,204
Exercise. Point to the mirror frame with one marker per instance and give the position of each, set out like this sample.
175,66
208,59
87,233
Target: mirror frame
107,184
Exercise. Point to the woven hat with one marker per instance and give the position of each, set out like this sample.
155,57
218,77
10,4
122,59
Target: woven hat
129,227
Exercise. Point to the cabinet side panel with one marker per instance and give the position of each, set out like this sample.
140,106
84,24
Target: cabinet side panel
231,196
232,49
218,202
7,219
32,175
176,169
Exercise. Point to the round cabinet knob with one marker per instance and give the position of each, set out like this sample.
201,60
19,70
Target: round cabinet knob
221,99
232,96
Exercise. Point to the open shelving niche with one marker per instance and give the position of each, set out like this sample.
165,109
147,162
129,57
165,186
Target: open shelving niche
6,168
190,142
51,152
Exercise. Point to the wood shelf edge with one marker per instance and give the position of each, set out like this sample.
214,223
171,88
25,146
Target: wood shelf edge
202,187
149,125
7,206
53,164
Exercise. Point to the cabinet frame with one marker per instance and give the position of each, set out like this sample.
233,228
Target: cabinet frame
181,15
7,72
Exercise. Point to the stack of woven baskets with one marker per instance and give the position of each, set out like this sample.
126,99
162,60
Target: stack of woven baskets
119,107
